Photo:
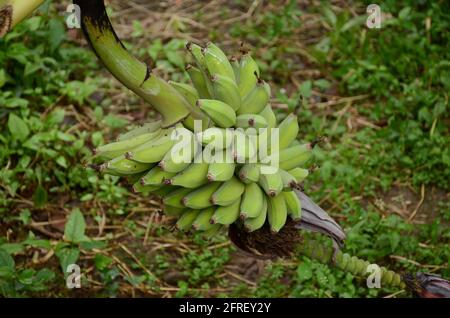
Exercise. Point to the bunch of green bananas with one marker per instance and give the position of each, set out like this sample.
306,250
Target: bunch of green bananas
257,161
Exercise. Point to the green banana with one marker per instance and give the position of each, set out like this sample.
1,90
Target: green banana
251,120
271,183
222,114
277,213
115,149
226,91
253,224
193,176
252,201
243,147
187,219
182,154
288,131
156,176
236,68
144,129
187,91
217,62
223,167
289,181
173,211
293,204
196,52
138,187
153,150
249,173
174,197
203,220
226,215
269,116
248,74
216,138
299,174
199,81
212,231
121,166
228,192
256,100
295,156
201,197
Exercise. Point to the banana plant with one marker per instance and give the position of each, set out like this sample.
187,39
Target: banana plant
265,213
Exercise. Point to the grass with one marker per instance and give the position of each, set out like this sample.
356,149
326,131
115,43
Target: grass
380,96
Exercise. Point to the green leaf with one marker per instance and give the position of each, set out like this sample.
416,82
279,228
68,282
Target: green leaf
40,197
67,256
305,89
304,271
17,127
75,227
6,260
56,34
102,261
12,248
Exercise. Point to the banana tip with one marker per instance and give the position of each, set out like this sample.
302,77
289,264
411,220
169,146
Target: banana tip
128,155
142,181
272,193
168,182
212,221
210,177
243,216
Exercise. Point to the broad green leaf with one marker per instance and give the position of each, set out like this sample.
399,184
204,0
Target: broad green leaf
75,227
17,127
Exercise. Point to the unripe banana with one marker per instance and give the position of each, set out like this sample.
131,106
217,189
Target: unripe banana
181,156
174,197
249,173
243,147
187,91
192,177
152,151
226,91
199,81
186,220
289,181
203,220
173,211
252,201
200,198
220,113
226,215
299,174
293,204
118,148
156,176
223,167
277,213
236,68
217,138
228,192
144,129
253,224
138,187
122,166
295,156
248,75
269,116
251,120
212,231
196,52
217,62
272,183
256,100
288,131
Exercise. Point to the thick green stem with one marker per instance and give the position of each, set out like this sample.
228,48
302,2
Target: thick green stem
324,254
134,74
14,11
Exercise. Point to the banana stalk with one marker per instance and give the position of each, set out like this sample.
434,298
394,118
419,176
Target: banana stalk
14,11
134,74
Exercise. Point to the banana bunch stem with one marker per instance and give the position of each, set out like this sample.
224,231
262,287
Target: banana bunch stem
14,11
352,264
134,74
